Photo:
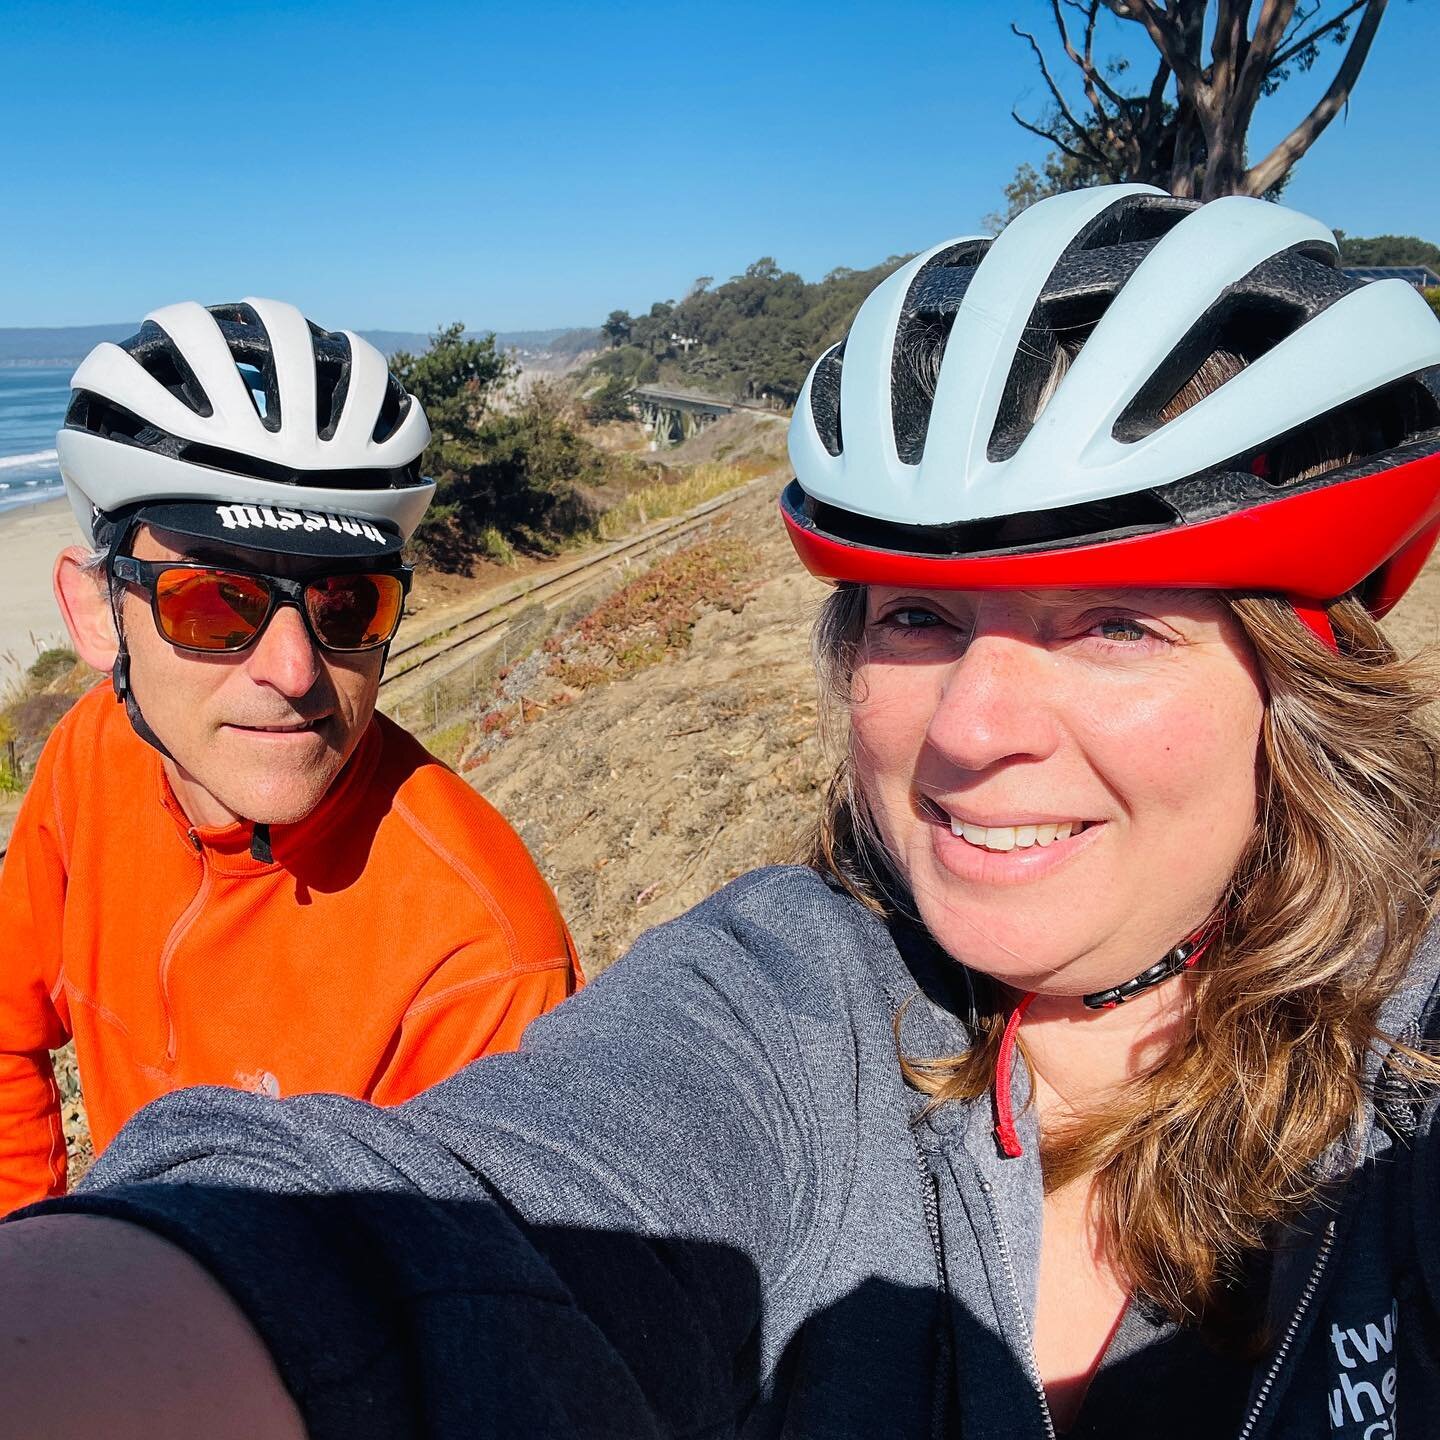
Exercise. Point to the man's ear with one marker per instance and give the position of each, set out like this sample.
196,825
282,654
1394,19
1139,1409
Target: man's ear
84,601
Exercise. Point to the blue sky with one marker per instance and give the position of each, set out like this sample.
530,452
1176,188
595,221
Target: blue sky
538,164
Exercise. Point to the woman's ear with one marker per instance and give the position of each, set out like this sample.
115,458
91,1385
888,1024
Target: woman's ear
84,600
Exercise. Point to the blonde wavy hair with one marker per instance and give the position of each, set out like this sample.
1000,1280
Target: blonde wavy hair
1321,918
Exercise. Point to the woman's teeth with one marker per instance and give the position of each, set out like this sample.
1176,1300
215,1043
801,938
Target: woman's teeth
1015,837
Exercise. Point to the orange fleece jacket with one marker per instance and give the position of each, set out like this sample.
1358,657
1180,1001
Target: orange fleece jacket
399,931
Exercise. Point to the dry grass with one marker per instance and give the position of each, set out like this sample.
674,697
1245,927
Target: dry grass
72,1113
32,707
673,497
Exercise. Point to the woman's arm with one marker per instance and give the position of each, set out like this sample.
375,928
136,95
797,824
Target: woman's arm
105,1329
611,1232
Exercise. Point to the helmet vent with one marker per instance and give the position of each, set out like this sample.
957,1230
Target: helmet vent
1228,339
1136,217
825,398
1045,352
1075,296
1375,424
99,416
160,358
249,345
332,379
234,463
1250,318
1092,522
255,384
392,411
926,319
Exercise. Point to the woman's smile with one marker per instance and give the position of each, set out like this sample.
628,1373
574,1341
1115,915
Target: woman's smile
1005,854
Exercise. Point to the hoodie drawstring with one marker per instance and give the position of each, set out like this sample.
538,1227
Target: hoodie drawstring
1004,1068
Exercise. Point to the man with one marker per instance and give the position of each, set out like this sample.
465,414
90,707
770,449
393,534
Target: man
242,875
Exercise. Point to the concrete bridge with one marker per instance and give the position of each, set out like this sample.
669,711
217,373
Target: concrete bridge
675,415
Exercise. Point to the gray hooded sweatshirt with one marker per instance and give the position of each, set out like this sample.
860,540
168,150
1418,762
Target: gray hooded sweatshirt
702,1201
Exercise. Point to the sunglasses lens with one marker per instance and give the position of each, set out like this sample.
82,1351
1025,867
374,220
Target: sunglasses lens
354,612
210,609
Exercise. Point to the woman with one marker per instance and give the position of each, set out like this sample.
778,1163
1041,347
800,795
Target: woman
1079,1082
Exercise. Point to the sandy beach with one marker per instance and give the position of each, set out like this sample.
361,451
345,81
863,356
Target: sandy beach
30,538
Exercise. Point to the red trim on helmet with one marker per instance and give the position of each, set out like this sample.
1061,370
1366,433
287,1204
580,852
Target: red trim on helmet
1316,619
1312,546
1402,571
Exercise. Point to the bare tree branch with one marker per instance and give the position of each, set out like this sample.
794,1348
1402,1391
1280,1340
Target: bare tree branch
1149,127
1136,143
1303,16
1259,178
1227,47
1219,70
1085,62
1291,51
1077,128
1156,95
1107,122
1183,179
1057,142
1196,116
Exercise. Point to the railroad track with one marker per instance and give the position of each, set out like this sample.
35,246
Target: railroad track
427,657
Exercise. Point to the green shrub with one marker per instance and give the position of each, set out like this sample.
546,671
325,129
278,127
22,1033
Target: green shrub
494,546
752,337
530,480
10,781
455,380
519,477
50,665
610,402
624,363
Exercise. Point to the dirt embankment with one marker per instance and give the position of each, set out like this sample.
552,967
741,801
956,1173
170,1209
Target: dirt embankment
641,796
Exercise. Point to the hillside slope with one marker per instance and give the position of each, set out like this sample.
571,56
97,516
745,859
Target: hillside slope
641,796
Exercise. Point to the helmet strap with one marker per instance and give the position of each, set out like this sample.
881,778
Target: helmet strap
120,681
1183,957
120,674
120,670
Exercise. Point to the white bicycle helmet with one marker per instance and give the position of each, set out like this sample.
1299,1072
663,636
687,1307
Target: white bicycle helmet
1008,414
248,405
971,467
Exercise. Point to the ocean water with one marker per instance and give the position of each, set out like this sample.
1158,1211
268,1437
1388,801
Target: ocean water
32,405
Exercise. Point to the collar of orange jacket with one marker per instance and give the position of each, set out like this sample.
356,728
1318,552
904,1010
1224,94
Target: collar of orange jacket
232,848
